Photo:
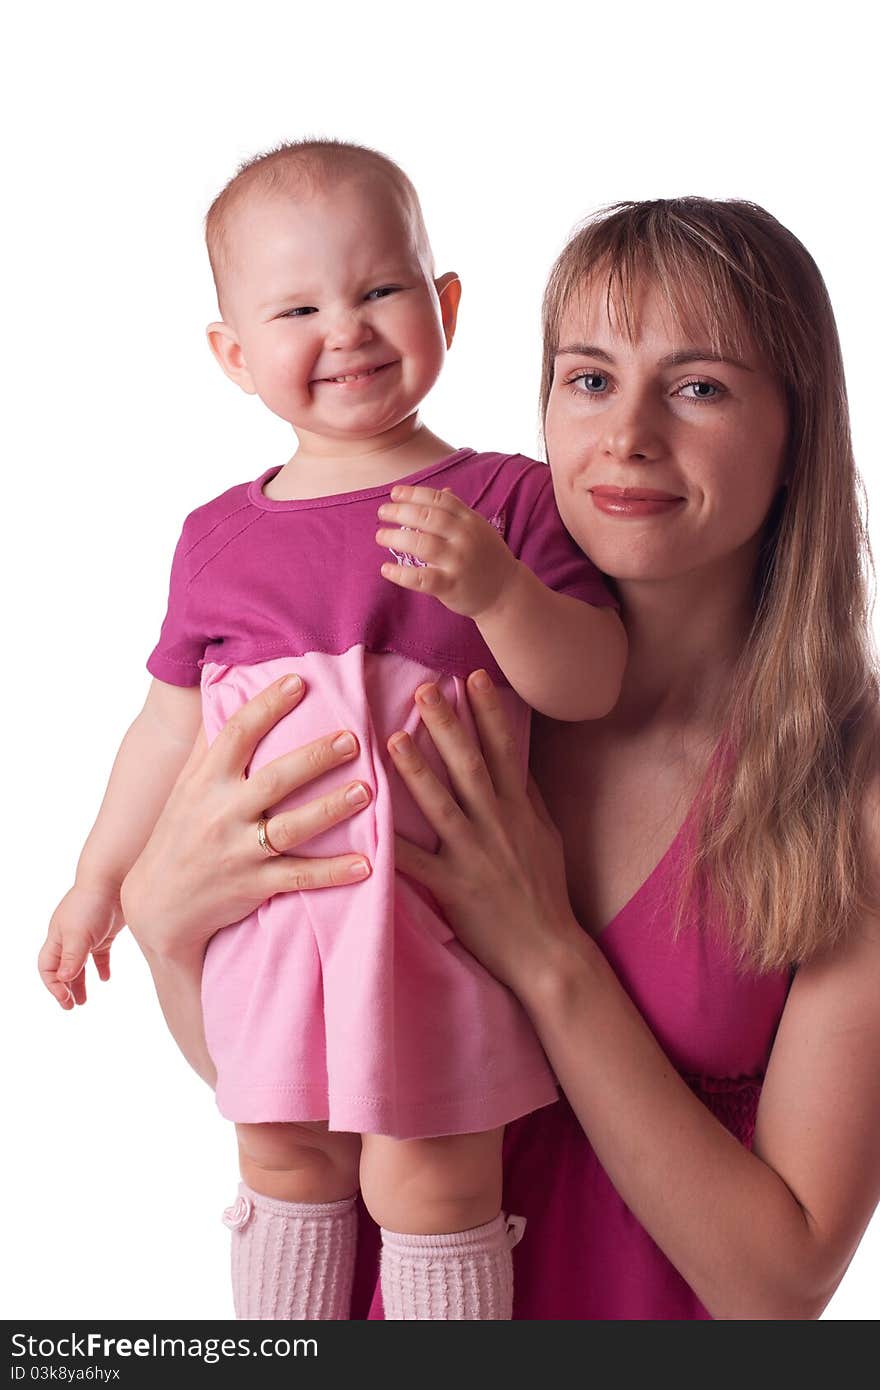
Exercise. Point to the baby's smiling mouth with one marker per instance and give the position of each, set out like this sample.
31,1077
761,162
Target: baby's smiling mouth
354,376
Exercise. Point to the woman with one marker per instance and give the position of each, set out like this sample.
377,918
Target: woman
705,985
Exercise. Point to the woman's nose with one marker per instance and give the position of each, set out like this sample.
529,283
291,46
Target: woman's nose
631,432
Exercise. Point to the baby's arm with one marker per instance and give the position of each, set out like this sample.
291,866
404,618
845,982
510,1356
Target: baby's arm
147,765
563,656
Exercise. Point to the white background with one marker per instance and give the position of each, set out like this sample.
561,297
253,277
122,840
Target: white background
121,124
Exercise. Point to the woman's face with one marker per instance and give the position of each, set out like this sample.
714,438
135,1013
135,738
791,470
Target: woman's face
665,458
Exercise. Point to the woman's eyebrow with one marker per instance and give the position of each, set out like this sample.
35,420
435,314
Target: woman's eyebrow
672,359
584,350
698,354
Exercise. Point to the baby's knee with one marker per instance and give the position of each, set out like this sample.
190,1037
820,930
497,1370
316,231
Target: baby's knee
432,1186
298,1162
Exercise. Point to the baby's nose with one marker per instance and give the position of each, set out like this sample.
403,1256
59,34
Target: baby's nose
348,329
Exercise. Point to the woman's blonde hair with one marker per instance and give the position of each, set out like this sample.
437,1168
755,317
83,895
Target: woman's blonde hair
780,833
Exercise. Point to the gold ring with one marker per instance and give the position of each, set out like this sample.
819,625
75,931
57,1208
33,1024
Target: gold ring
265,845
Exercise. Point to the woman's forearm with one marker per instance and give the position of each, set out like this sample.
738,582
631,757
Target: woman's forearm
178,984
724,1218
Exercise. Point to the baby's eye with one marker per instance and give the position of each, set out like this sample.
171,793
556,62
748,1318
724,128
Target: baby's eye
382,292
702,390
592,383
299,313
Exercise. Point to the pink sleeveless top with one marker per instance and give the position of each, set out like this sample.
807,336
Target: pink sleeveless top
584,1255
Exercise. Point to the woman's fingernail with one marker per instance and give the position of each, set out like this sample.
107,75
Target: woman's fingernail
357,795
291,685
399,743
359,870
480,681
429,695
344,744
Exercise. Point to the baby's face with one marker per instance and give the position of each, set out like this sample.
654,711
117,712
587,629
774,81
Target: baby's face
332,317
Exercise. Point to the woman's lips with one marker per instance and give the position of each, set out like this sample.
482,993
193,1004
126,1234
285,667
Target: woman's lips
634,501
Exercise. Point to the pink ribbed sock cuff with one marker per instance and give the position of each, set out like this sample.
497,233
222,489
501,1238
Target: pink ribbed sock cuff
291,1260
466,1275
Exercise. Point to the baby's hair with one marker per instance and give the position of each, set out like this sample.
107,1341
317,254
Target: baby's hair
303,167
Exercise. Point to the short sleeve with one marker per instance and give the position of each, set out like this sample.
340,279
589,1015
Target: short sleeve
533,529
177,655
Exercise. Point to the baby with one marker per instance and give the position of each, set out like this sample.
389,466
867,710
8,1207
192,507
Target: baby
357,1044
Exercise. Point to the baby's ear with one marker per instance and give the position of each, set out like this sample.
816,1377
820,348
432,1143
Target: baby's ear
449,293
227,349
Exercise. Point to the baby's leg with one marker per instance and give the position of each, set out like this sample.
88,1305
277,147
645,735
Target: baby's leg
432,1186
446,1253
299,1162
294,1226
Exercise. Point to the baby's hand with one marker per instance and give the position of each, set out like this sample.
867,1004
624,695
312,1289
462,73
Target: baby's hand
85,921
458,556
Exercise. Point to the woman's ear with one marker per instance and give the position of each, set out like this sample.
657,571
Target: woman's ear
448,289
225,346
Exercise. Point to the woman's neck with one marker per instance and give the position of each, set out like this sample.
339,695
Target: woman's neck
686,636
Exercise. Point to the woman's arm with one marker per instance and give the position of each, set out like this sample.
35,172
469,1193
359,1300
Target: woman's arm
761,1234
766,1234
203,867
178,983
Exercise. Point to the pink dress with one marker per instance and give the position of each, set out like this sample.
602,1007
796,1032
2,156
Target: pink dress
356,1005
583,1255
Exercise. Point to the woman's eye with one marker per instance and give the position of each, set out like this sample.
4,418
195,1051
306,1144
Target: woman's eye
702,390
382,292
593,383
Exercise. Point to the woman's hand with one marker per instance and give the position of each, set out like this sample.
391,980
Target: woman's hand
499,874
203,867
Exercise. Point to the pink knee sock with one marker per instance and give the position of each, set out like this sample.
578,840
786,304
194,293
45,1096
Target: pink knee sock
291,1260
466,1275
